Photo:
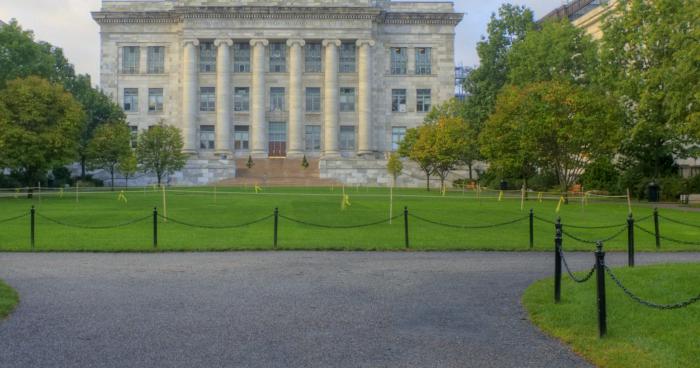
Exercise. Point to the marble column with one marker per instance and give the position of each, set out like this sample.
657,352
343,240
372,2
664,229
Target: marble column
257,108
364,103
330,97
223,97
190,86
296,99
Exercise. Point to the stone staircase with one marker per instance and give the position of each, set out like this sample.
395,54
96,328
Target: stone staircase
278,172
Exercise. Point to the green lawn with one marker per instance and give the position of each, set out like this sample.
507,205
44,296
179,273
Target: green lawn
638,336
322,206
8,300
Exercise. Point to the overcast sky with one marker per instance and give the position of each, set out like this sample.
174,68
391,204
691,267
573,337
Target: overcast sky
67,24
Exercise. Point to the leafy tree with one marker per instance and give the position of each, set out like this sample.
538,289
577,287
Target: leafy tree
110,146
249,164
128,166
39,127
446,142
553,126
650,52
159,151
394,166
415,146
304,162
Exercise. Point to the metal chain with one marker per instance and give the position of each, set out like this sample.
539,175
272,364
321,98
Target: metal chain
639,300
672,240
13,218
544,220
467,226
571,275
679,222
338,226
58,222
214,227
622,230
579,226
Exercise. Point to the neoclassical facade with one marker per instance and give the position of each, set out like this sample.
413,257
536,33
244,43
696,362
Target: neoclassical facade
323,78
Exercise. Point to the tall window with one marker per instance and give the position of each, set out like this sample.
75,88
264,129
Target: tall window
398,100
347,137
155,99
423,63
207,57
156,60
207,99
276,99
397,135
206,137
312,138
241,57
313,99
347,57
399,60
131,58
241,99
278,57
423,100
134,138
241,137
347,99
312,53
131,99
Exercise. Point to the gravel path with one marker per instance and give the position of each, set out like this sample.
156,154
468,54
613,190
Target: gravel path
283,309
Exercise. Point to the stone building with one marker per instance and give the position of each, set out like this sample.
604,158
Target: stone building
335,80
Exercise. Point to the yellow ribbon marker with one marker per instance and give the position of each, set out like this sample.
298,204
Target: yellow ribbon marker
500,196
60,192
16,192
345,200
257,189
561,200
539,197
122,197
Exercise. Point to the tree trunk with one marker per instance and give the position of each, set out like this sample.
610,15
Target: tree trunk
82,167
111,173
427,174
471,178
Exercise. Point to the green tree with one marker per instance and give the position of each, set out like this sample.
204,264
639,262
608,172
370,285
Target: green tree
39,127
128,166
110,146
554,126
415,146
394,166
159,151
650,52
446,142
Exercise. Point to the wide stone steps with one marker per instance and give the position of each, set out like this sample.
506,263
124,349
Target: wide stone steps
278,172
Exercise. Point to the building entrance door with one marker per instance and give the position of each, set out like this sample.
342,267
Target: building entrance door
278,139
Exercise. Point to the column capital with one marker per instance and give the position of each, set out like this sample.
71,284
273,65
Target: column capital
292,41
192,41
256,41
327,43
220,42
368,42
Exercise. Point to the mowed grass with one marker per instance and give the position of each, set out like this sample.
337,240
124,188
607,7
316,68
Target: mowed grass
231,206
8,300
638,336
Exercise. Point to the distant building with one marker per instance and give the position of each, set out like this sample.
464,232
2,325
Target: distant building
585,14
461,73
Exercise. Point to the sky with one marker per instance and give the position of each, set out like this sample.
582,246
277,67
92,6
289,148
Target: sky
68,24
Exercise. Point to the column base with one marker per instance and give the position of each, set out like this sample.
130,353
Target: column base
365,153
190,152
221,153
330,155
259,154
295,154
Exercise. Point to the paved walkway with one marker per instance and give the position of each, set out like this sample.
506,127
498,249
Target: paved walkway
299,309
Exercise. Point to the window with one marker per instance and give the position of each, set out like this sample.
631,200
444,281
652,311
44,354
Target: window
347,99
399,60
347,57
241,57
278,57
313,99
156,60
241,99
397,135
347,138
276,99
312,138
423,100
207,99
240,137
398,100
423,64
207,57
206,137
155,99
134,139
312,61
131,99
131,57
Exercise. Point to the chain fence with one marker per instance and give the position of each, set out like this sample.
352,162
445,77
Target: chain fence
672,240
571,275
215,227
647,303
103,227
679,222
587,241
13,218
469,226
301,222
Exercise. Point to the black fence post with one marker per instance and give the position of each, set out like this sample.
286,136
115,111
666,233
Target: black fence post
630,241
557,261
276,221
532,228
405,225
600,277
32,223
656,228
155,227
